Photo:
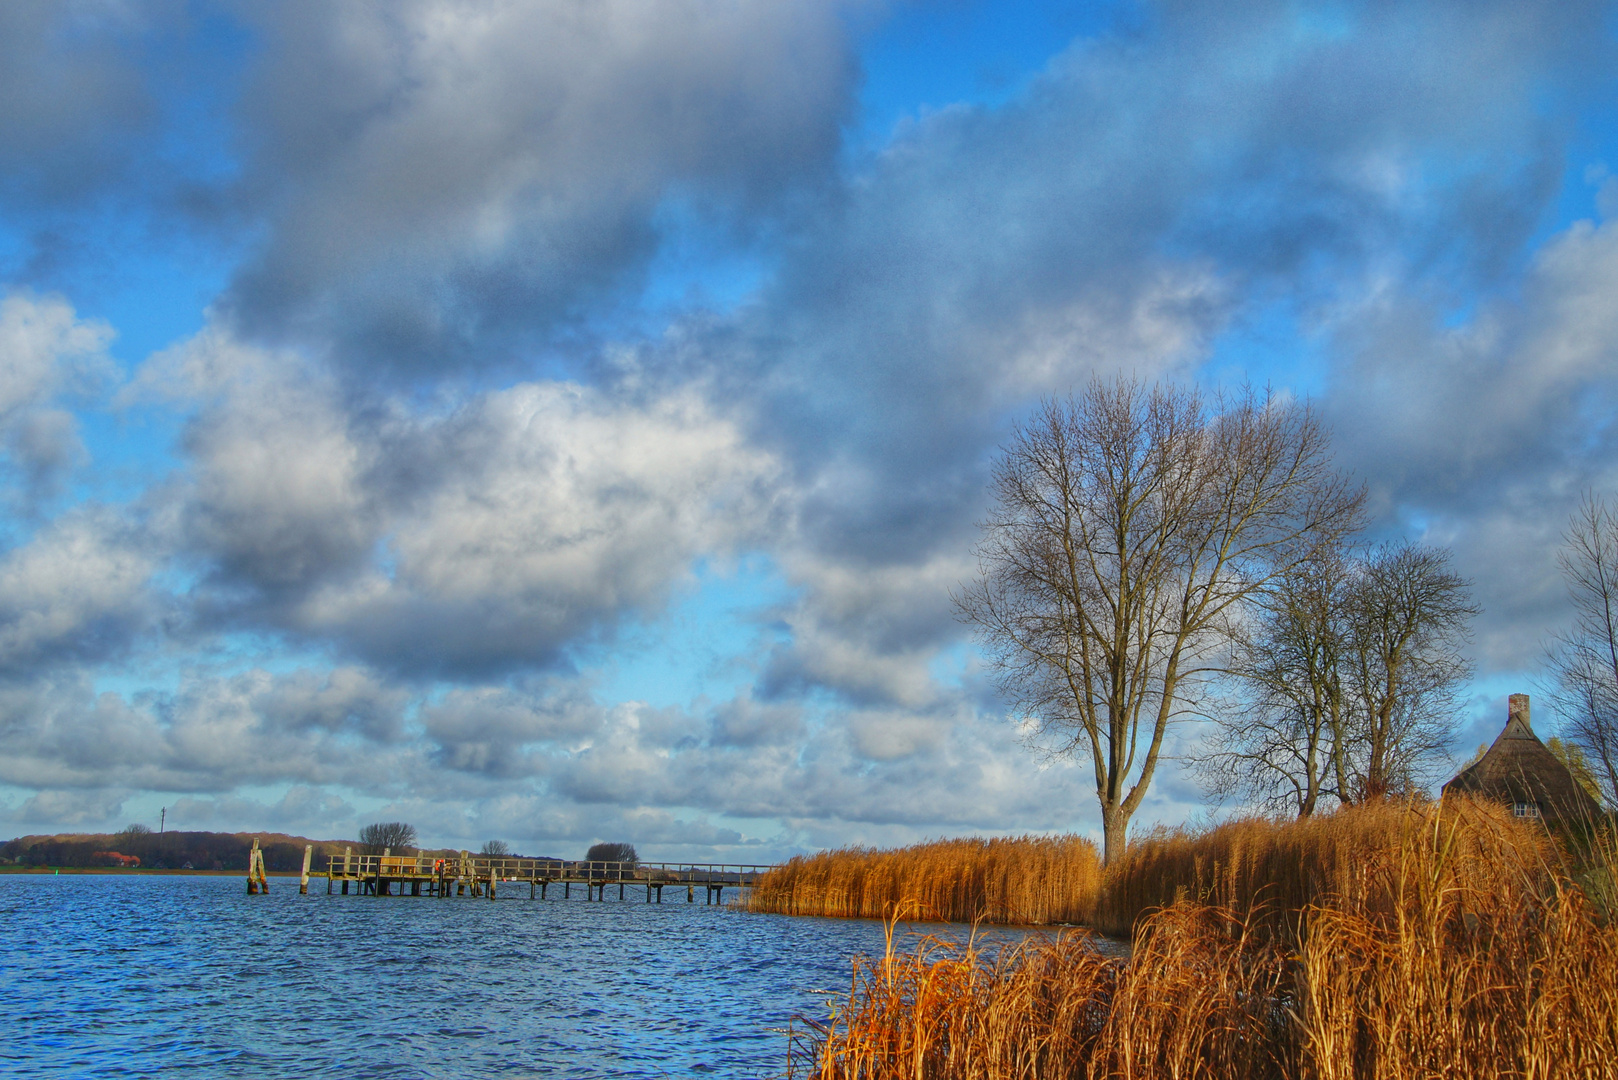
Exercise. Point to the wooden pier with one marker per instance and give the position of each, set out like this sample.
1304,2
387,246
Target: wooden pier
492,877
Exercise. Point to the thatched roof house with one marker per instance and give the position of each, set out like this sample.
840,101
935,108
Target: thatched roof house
1518,770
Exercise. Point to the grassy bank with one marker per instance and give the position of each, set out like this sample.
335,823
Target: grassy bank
1020,880
1388,941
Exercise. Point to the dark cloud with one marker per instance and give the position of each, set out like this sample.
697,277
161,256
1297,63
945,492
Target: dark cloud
440,183
73,103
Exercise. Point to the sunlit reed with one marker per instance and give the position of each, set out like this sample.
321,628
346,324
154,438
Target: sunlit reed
1427,941
1021,880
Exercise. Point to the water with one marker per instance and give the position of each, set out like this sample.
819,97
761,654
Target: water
115,976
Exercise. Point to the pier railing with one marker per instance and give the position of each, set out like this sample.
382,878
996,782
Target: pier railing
594,871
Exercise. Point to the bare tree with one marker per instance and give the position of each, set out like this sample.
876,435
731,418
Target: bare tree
1408,618
1345,684
394,836
1130,524
617,851
495,848
1584,659
1276,739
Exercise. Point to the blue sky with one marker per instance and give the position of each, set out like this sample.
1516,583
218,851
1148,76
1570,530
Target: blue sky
556,423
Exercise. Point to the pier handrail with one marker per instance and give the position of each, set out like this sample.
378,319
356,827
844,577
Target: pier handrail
520,868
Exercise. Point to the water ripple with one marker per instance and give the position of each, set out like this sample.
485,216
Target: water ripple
111,976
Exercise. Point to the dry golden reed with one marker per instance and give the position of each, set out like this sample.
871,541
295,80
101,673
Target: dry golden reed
1460,949
1028,880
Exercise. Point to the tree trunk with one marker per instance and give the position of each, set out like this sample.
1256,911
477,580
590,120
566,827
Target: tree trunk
1115,830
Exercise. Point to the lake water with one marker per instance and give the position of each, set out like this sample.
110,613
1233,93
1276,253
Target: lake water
110,976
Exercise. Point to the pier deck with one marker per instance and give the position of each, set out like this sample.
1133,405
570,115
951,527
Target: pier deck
485,876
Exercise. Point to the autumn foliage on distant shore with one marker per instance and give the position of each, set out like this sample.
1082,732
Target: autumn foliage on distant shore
1376,942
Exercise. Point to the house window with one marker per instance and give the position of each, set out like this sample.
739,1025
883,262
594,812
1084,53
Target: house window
1525,809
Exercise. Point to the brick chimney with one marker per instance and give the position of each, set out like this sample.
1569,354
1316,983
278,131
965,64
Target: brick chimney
1517,721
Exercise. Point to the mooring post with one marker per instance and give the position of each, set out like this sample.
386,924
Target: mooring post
493,877
258,861
690,892
542,886
620,890
303,882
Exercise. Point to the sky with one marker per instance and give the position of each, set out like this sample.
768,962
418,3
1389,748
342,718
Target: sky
562,422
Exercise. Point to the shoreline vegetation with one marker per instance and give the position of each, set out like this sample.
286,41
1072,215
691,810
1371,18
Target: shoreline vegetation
1027,880
1390,939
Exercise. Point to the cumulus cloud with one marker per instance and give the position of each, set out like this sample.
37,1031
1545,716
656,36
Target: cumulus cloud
479,537
78,590
437,178
46,353
211,735
545,513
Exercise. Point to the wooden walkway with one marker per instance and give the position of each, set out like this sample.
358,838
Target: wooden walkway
484,876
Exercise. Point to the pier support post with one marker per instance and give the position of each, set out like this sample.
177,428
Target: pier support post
542,887
690,893
620,890
257,882
303,882
567,890
530,888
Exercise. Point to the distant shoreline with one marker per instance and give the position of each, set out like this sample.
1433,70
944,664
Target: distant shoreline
137,871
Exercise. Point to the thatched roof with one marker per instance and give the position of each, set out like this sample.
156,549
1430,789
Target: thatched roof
1518,769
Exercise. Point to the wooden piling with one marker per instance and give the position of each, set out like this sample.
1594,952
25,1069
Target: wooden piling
257,882
303,882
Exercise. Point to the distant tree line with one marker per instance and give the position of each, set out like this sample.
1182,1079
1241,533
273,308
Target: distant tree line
163,851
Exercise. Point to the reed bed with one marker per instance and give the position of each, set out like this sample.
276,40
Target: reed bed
1022,880
1272,872
1453,953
